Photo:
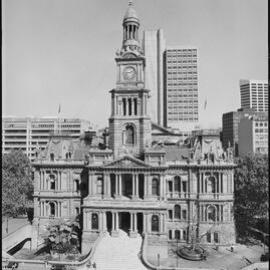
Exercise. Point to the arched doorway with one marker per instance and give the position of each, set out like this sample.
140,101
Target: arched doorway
140,222
109,221
124,221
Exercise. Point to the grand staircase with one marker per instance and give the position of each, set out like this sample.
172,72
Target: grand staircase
118,253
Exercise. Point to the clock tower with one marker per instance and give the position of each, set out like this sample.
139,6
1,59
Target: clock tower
129,124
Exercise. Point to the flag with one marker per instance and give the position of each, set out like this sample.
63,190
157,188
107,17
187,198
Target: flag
59,108
205,104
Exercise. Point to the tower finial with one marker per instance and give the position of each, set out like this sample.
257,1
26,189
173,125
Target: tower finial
130,3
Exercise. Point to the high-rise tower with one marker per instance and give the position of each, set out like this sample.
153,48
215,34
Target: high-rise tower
129,124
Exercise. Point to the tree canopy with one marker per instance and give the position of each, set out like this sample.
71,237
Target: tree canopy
17,183
251,192
63,236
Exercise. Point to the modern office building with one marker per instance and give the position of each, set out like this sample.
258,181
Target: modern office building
254,95
136,185
154,47
30,133
172,75
230,126
181,88
253,134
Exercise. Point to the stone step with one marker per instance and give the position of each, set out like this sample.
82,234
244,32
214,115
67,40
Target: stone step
119,253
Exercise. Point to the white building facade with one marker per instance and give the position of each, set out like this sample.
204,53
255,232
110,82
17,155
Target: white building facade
254,95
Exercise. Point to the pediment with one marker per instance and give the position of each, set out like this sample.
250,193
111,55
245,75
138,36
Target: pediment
127,162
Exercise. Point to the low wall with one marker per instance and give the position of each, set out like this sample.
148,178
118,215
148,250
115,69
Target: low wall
73,263
154,267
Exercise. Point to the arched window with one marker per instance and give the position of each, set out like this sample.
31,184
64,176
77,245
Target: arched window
170,214
66,155
52,156
216,240
155,223
184,235
208,237
211,184
155,187
177,184
177,212
170,234
52,209
129,137
211,213
184,186
177,234
52,182
95,221
77,185
184,214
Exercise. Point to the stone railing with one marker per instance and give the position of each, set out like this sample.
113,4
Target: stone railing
69,263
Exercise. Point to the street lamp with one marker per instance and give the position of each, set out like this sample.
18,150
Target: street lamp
7,226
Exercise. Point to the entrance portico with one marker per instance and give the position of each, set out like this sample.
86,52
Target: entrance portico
129,220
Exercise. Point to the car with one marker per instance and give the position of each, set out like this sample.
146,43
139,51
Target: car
265,257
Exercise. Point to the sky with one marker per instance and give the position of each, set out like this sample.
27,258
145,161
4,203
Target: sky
62,52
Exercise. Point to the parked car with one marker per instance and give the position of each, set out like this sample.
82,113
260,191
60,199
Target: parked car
265,257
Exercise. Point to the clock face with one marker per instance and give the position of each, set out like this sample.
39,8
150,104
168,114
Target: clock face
129,73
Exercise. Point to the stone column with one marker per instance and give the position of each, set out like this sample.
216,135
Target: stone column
104,221
109,185
120,185
117,220
135,222
131,223
90,180
106,185
137,185
145,193
232,186
145,223
160,223
89,218
58,209
164,223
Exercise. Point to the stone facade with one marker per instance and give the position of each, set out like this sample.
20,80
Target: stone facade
135,184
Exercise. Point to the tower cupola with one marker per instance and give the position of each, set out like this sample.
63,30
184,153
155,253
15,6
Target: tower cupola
131,25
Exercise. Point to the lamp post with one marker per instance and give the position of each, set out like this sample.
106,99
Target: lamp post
37,231
7,226
176,252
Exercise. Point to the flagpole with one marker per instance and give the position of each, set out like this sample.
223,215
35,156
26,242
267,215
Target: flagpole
58,120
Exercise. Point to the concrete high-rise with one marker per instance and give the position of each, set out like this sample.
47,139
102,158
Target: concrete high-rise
171,73
154,47
254,94
181,87
29,133
253,134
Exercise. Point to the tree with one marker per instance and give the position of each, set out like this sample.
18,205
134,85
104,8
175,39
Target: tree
251,192
17,183
62,236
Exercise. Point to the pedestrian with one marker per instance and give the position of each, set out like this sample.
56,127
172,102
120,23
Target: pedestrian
94,265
